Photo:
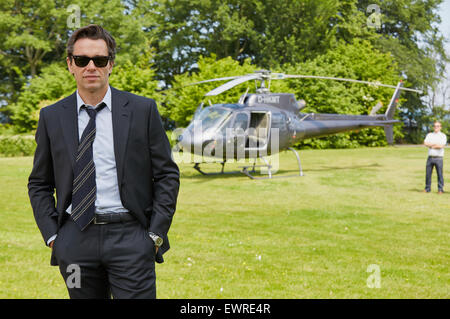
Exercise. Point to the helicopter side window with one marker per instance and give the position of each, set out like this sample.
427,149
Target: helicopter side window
210,117
279,120
241,122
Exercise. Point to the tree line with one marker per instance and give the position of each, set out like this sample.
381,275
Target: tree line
168,44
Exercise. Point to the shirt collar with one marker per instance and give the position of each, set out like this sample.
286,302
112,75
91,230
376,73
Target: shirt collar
106,100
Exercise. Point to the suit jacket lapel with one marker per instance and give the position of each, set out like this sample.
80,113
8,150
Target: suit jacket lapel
121,116
69,122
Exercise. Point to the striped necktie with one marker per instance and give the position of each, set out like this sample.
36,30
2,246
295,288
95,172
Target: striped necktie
84,191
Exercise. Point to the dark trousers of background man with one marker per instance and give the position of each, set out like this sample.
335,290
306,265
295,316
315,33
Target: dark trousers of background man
437,162
115,259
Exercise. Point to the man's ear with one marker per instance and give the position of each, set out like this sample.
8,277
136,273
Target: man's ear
69,65
112,65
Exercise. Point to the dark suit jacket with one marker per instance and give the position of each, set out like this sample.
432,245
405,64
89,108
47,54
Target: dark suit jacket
148,177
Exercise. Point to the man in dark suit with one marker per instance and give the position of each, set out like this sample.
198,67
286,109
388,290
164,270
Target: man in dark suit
106,154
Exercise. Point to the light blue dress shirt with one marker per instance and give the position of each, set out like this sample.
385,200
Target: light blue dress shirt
108,196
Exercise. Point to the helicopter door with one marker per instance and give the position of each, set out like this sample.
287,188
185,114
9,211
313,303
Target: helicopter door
258,131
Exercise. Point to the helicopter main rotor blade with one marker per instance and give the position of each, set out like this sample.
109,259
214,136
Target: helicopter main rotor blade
233,83
288,76
218,79
205,81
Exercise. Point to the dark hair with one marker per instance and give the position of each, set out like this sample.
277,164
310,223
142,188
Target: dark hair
94,32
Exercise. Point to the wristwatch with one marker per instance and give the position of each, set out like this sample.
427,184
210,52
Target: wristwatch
156,239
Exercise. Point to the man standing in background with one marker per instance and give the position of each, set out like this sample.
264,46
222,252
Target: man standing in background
435,142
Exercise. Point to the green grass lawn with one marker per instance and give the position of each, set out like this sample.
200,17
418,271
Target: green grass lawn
305,237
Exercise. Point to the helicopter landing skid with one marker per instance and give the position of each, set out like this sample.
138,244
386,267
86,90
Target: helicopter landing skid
246,172
222,171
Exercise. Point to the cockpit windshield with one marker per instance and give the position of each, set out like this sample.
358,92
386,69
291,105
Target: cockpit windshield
210,117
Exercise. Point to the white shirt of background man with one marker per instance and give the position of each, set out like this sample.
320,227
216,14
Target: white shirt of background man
436,138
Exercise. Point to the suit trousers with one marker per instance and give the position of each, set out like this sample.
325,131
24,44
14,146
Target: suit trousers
111,260
437,162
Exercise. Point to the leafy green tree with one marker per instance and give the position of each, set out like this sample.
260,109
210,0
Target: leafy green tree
34,34
138,77
409,30
53,83
269,32
28,31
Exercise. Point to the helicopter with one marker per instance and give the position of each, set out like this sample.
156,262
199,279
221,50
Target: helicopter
262,124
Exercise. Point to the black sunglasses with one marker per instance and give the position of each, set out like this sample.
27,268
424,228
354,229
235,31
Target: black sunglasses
99,61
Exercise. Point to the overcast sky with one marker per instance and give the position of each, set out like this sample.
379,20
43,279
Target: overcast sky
444,12
445,16
445,29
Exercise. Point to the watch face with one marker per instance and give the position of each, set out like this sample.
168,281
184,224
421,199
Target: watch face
156,239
